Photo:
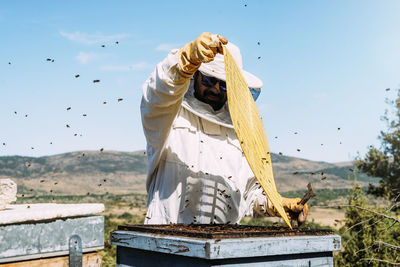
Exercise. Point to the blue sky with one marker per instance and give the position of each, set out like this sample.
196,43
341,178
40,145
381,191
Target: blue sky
325,65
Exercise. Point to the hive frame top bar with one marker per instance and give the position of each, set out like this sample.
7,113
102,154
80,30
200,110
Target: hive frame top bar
213,231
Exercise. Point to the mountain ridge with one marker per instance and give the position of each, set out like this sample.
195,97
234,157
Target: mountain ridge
82,172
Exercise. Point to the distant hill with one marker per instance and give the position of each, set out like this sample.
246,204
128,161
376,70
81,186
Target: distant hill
115,172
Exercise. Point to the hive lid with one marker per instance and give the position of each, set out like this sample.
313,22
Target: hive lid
22,213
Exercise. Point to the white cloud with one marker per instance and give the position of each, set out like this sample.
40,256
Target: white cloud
137,66
84,57
167,47
92,39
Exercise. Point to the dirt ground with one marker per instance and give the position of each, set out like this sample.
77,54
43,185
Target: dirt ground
325,216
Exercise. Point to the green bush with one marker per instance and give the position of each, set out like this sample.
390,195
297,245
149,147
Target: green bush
368,233
125,215
110,251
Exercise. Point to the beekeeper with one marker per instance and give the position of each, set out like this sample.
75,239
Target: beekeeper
197,172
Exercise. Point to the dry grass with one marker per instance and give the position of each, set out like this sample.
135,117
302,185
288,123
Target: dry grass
326,217
322,216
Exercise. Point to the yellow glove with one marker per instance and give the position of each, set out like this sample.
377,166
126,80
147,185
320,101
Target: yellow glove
294,209
201,50
292,206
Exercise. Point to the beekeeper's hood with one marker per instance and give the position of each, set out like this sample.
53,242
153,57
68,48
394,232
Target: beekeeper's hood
216,68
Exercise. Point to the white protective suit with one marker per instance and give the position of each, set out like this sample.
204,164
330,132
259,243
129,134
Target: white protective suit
197,170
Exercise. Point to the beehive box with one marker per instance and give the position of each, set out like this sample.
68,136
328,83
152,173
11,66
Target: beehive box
227,245
39,234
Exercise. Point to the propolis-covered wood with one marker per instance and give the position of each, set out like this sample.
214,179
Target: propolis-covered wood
220,231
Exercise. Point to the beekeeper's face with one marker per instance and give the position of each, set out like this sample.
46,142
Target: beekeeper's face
210,90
